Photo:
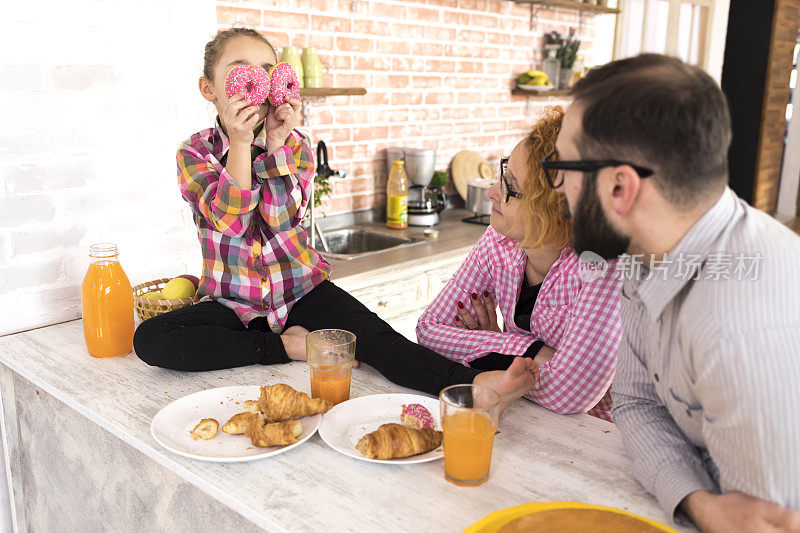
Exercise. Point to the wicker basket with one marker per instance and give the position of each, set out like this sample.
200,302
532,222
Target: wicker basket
147,307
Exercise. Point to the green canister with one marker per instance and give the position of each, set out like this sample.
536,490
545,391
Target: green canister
289,55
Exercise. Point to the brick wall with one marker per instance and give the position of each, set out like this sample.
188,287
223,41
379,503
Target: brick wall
438,75
785,23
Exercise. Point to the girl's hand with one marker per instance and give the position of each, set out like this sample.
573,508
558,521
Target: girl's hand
281,121
485,309
239,118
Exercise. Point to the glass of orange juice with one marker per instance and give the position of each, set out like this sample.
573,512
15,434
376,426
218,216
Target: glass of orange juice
469,421
331,353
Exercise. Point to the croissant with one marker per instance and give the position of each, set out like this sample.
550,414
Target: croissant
205,429
393,441
238,423
250,406
260,432
277,434
280,402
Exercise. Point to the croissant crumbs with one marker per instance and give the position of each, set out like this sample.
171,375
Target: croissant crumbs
270,420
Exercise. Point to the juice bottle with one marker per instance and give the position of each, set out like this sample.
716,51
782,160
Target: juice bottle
107,303
397,197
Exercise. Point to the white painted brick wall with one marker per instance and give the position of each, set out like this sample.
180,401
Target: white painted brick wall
95,97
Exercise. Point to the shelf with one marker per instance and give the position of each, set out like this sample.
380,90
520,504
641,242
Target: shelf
555,92
330,91
571,4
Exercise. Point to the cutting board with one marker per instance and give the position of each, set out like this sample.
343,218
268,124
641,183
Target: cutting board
468,165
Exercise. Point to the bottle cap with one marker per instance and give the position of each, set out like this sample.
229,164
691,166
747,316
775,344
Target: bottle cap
398,163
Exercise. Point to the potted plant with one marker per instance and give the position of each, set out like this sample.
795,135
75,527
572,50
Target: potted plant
566,54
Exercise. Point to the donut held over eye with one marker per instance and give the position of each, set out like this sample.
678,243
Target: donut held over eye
251,80
284,84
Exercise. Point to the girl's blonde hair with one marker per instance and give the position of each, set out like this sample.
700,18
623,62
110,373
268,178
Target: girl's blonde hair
544,209
214,46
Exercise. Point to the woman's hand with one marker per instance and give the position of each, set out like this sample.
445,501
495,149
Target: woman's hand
485,309
281,121
239,118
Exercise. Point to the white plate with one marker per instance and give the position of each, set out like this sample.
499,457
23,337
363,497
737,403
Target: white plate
344,425
536,88
172,426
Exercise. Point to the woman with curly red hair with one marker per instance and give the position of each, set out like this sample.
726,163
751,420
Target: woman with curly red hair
556,310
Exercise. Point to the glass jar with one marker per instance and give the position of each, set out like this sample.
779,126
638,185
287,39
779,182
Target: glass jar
107,304
551,65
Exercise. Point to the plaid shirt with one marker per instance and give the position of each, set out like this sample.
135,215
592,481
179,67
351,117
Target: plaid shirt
579,319
255,257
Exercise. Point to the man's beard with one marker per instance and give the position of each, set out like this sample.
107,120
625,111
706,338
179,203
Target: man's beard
592,232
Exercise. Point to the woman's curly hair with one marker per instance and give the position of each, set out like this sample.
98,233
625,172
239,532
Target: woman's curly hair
543,208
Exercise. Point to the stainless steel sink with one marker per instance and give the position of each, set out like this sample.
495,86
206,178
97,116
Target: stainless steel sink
350,243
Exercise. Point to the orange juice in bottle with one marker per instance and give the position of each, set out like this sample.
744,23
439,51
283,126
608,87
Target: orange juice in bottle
107,303
397,197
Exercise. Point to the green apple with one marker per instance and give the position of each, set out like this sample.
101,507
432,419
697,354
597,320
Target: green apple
178,288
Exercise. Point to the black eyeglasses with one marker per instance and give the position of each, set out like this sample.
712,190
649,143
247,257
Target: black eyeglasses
505,187
552,167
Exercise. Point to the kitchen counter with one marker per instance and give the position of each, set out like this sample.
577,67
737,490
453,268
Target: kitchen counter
450,236
76,435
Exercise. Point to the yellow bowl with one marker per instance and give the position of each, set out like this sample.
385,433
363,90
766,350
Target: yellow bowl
491,523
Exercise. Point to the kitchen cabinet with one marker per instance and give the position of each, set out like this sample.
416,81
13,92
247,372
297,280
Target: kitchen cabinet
400,295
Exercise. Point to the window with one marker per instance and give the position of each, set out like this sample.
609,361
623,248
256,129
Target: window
674,27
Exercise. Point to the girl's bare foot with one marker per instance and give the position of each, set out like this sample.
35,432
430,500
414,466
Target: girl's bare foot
512,383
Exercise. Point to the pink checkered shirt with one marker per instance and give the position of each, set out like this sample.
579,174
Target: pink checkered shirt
256,260
579,319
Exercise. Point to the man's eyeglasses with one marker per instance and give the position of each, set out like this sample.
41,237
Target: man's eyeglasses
505,188
553,168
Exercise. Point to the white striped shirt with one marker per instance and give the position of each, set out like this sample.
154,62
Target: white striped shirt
707,388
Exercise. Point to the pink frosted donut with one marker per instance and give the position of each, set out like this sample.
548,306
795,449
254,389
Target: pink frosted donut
284,84
251,80
416,416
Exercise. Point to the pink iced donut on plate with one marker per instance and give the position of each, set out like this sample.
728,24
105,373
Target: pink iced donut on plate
251,80
416,416
284,84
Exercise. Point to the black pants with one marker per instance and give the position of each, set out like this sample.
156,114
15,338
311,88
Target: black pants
209,336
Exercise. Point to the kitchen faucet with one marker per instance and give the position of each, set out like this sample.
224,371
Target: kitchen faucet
324,170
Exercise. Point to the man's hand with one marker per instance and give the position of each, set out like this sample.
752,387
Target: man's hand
281,121
485,309
736,511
